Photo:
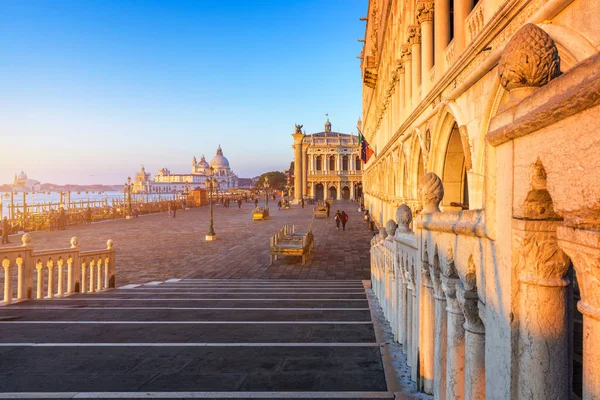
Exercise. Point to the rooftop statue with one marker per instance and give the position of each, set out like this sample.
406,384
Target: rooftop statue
299,128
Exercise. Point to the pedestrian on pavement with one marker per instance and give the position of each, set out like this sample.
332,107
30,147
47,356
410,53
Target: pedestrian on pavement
170,210
338,219
327,210
240,203
88,216
5,230
255,202
302,202
174,209
344,220
279,204
62,219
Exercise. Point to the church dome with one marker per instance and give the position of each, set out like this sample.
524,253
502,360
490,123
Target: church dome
327,126
203,163
219,161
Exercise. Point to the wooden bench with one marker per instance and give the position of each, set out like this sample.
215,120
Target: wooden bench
288,242
260,213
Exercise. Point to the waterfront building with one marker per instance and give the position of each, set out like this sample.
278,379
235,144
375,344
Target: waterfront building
484,119
167,182
326,164
22,183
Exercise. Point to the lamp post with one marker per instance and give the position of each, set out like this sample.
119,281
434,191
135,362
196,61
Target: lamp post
210,183
128,188
266,186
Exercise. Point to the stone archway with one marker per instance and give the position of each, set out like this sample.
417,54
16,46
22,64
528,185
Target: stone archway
319,192
345,193
454,177
332,193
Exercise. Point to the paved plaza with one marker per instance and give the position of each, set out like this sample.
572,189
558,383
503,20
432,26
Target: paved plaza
156,247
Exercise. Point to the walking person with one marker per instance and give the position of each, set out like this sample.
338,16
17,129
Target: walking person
327,210
170,210
344,220
255,202
174,209
338,219
62,219
302,202
239,203
5,230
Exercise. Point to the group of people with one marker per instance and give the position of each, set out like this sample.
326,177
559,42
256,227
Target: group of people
57,221
340,218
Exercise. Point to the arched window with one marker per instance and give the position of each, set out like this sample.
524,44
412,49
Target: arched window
319,163
332,163
345,163
357,165
456,188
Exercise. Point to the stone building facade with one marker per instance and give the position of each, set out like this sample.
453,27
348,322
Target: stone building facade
166,182
486,185
326,165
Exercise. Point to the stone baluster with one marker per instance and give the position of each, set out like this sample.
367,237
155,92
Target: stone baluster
474,343
25,265
106,273
21,286
92,264
390,228
409,314
455,356
50,266
544,347
414,38
440,331
70,280
59,266
40,279
427,321
99,272
583,247
83,275
72,273
415,323
404,218
6,264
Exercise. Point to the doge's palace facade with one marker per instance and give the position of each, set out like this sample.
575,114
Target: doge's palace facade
484,118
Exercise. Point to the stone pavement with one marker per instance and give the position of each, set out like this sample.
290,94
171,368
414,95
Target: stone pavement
156,247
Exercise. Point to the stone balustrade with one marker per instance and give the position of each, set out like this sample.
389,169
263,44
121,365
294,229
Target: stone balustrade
475,21
449,55
55,273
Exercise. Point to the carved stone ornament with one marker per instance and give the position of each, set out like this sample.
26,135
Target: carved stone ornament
390,228
382,233
530,59
298,129
404,218
414,34
468,301
425,11
434,273
74,242
449,269
431,192
406,52
26,239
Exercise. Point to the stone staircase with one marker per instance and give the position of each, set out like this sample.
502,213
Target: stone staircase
196,338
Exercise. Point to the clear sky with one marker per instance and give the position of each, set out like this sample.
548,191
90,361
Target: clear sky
89,90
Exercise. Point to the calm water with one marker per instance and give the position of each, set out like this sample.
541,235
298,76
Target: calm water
53,197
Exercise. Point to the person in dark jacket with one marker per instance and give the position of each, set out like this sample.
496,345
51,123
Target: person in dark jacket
5,230
327,209
344,220
338,219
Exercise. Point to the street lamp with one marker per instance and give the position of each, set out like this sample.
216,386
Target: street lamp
210,183
128,188
266,186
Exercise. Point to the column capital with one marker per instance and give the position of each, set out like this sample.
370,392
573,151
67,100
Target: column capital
468,302
583,247
400,66
539,260
449,287
425,10
414,34
406,52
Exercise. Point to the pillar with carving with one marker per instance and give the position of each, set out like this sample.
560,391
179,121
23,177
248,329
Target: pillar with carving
583,247
304,169
427,321
414,38
407,60
425,17
474,343
440,332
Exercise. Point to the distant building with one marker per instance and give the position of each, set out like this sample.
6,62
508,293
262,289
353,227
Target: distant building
166,182
326,164
22,183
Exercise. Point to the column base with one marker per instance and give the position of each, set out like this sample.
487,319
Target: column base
210,238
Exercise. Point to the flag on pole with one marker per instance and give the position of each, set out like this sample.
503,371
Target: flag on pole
365,150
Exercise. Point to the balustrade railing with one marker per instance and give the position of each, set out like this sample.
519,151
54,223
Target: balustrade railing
333,172
475,21
55,273
449,55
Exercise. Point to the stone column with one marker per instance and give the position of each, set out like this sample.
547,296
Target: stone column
414,38
474,344
426,345
407,59
544,350
298,136
583,247
442,34
455,356
401,92
462,8
440,333
425,18
304,169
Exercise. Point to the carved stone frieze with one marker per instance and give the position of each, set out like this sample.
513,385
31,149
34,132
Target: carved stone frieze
530,59
425,11
431,192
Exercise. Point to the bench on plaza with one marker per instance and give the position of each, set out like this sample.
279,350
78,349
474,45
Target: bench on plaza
260,213
320,210
288,242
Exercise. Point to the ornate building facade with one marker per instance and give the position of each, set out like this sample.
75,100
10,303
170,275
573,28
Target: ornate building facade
166,182
486,185
326,165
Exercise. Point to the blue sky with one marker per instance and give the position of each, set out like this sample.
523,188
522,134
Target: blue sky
92,89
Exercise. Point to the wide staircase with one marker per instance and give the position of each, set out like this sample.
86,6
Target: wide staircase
195,338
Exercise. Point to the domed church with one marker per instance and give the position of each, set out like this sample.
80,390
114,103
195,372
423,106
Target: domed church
166,182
